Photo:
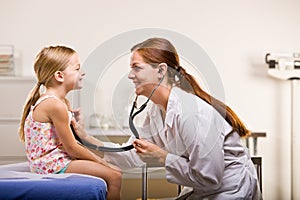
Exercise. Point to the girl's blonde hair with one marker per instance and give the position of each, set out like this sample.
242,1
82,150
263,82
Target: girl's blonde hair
48,61
160,50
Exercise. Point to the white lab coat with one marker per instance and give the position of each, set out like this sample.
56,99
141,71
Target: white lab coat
205,155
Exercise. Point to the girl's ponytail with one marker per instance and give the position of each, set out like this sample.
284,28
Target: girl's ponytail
34,95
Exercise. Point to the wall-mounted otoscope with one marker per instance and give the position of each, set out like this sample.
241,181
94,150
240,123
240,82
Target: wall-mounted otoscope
284,66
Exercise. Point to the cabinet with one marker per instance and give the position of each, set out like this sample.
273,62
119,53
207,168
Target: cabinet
14,91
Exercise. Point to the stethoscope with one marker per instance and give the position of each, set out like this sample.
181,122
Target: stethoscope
132,127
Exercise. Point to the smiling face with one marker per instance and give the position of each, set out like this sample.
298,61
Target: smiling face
144,76
73,74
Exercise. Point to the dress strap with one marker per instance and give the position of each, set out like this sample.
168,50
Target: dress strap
47,97
42,99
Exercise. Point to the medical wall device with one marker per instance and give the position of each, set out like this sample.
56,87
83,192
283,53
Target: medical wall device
287,67
283,66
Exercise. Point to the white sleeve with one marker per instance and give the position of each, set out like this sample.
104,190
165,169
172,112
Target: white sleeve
203,167
129,159
125,159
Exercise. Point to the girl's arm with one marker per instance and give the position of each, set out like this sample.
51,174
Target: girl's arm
58,115
78,125
81,132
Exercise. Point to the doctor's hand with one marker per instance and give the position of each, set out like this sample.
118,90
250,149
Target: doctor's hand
79,129
78,116
150,153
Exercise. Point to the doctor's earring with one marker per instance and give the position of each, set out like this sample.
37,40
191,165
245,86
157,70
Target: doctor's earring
161,75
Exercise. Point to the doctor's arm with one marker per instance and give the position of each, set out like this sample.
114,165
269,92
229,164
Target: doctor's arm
203,167
125,159
150,153
129,159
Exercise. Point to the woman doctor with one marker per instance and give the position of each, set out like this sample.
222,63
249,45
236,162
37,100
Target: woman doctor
193,135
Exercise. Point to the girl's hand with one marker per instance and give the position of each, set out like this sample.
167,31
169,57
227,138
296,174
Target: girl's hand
150,153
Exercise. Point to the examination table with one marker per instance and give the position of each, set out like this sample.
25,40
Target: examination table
16,182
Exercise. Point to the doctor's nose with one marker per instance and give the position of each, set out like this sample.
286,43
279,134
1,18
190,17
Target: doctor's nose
131,75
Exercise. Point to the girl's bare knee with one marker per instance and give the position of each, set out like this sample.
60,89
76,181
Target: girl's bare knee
116,176
115,179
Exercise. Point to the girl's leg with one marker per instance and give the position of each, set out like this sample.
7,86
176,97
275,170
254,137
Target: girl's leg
112,177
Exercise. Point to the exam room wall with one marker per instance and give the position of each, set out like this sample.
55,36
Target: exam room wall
235,34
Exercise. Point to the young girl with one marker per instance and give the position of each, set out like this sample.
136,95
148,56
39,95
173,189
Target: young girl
45,124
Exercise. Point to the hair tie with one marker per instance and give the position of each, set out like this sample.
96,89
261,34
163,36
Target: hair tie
178,68
40,83
179,75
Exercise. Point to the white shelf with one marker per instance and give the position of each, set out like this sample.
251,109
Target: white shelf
14,91
17,78
5,119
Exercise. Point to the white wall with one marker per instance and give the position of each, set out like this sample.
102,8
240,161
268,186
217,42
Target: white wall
236,35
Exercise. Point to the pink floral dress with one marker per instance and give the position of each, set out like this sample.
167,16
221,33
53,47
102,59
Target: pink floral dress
43,148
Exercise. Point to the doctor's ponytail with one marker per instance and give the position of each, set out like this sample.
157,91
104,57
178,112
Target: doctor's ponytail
160,50
229,115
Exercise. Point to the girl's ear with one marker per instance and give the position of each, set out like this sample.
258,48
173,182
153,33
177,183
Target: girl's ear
59,76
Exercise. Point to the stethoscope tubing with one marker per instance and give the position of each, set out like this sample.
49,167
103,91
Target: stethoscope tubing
131,126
